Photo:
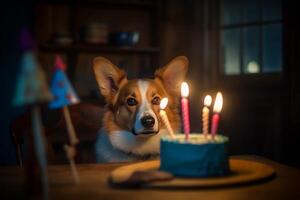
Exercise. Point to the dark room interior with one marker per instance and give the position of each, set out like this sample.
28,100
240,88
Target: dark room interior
247,49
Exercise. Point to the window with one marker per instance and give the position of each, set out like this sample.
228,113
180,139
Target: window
251,36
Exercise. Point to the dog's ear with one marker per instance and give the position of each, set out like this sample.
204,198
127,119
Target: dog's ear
173,74
108,76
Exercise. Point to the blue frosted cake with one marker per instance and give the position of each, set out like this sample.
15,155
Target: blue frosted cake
197,157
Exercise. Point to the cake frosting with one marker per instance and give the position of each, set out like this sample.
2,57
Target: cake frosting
197,157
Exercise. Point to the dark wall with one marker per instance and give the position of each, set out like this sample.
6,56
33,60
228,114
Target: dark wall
291,84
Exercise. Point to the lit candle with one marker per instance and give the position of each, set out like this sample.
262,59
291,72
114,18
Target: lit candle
164,117
185,109
205,115
216,117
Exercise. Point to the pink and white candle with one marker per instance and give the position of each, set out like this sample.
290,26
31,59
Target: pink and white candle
216,117
185,109
205,115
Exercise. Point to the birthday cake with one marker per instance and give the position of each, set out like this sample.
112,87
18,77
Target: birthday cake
198,156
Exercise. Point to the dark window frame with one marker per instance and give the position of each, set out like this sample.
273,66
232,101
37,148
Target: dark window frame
243,80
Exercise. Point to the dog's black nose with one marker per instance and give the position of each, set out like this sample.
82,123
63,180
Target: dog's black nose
148,121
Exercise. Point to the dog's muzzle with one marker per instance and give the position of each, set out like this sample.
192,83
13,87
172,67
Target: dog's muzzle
148,121
146,124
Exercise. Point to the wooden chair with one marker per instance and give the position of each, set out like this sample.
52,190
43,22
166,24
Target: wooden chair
86,118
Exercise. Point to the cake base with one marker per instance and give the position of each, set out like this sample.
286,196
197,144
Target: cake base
197,157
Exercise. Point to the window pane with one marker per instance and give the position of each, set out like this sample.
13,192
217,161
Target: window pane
272,48
251,62
271,9
231,12
251,10
231,51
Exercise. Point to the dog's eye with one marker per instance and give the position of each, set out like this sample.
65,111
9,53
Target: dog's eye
131,101
156,101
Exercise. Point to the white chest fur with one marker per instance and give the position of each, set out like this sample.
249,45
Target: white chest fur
120,146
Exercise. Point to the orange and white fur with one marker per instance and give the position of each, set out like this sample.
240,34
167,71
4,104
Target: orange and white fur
132,127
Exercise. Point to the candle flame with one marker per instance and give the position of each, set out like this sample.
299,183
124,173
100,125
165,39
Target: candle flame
207,100
218,103
184,89
163,103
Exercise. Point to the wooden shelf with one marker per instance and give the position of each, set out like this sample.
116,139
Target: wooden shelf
81,48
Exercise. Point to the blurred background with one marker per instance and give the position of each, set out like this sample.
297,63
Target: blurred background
247,49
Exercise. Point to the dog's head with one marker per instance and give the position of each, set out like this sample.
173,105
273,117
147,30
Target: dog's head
134,104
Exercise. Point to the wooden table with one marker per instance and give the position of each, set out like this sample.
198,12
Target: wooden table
286,185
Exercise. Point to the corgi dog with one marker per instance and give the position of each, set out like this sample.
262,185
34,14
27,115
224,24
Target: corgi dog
131,125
